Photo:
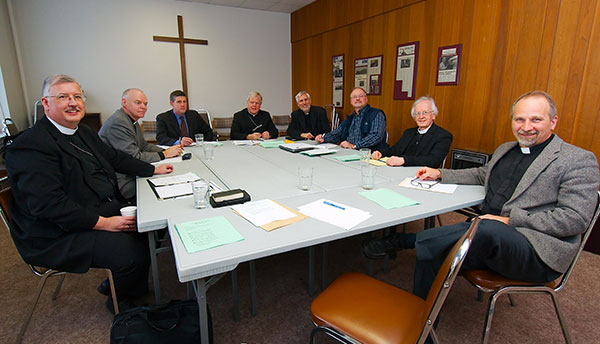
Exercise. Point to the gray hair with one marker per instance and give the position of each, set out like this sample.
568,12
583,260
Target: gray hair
55,80
302,93
422,99
254,94
127,91
537,93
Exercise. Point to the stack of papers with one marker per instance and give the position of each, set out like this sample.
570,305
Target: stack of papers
318,151
345,158
388,198
207,233
246,142
271,144
267,214
380,162
297,147
335,213
435,186
178,186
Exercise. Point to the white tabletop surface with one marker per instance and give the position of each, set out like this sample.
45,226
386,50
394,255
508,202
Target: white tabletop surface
272,173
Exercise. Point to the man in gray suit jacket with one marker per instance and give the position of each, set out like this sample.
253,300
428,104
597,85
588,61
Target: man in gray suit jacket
122,131
541,193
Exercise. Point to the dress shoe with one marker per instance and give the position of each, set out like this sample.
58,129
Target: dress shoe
104,288
379,248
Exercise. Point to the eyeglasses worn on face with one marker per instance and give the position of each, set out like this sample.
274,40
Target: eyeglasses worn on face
63,98
423,113
359,96
425,184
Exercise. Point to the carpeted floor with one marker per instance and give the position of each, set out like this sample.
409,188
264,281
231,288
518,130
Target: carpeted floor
79,315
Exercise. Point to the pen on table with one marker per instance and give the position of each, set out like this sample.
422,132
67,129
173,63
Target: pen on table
334,205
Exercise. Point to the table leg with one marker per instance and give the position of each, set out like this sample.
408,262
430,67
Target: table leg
235,293
200,289
154,266
252,287
311,270
324,283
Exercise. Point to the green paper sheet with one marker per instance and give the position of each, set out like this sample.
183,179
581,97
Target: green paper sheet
345,158
271,144
207,233
388,198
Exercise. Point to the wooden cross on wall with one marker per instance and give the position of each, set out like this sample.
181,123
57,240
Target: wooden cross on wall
181,40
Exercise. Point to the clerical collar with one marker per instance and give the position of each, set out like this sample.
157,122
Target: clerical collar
537,148
63,129
423,131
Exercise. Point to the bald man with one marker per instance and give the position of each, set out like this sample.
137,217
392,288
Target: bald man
122,131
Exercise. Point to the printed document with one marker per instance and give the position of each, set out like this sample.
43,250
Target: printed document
207,233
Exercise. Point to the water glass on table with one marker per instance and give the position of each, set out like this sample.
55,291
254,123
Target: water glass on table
199,139
209,151
200,190
365,155
305,178
368,176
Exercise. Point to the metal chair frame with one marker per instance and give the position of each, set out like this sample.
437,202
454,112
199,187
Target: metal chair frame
454,260
43,273
528,288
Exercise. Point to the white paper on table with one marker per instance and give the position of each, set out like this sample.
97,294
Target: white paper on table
176,190
345,218
246,142
168,161
297,145
439,187
328,145
263,212
178,179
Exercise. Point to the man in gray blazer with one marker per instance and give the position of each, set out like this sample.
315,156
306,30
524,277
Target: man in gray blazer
122,131
541,193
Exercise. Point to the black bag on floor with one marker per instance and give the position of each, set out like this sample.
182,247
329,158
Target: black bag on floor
175,322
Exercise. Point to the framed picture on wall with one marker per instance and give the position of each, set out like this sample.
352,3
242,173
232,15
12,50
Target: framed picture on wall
337,95
448,68
407,56
367,74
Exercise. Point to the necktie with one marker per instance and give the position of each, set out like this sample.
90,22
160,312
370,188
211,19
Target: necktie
184,129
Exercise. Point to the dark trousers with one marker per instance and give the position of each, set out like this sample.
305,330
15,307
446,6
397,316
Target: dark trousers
127,256
496,246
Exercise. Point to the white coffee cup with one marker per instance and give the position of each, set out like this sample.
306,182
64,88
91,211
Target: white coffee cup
129,211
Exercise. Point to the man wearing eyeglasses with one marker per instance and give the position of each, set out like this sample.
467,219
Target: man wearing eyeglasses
364,128
122,131
252,123
66,202
541,193
424,145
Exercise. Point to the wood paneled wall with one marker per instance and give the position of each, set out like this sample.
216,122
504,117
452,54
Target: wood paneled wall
509,47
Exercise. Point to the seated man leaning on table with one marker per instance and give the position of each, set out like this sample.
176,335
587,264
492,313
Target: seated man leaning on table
252,123
424,145
541,193
308,121
364,128
180,124
65,199
122,131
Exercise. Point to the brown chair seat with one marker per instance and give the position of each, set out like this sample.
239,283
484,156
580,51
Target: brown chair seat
392,315
357,308
490,280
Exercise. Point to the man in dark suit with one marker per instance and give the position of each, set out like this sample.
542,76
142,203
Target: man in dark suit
252,123
308,121
66,202
180,125
424,145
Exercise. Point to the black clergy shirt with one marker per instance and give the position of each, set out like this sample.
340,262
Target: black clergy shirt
506,174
